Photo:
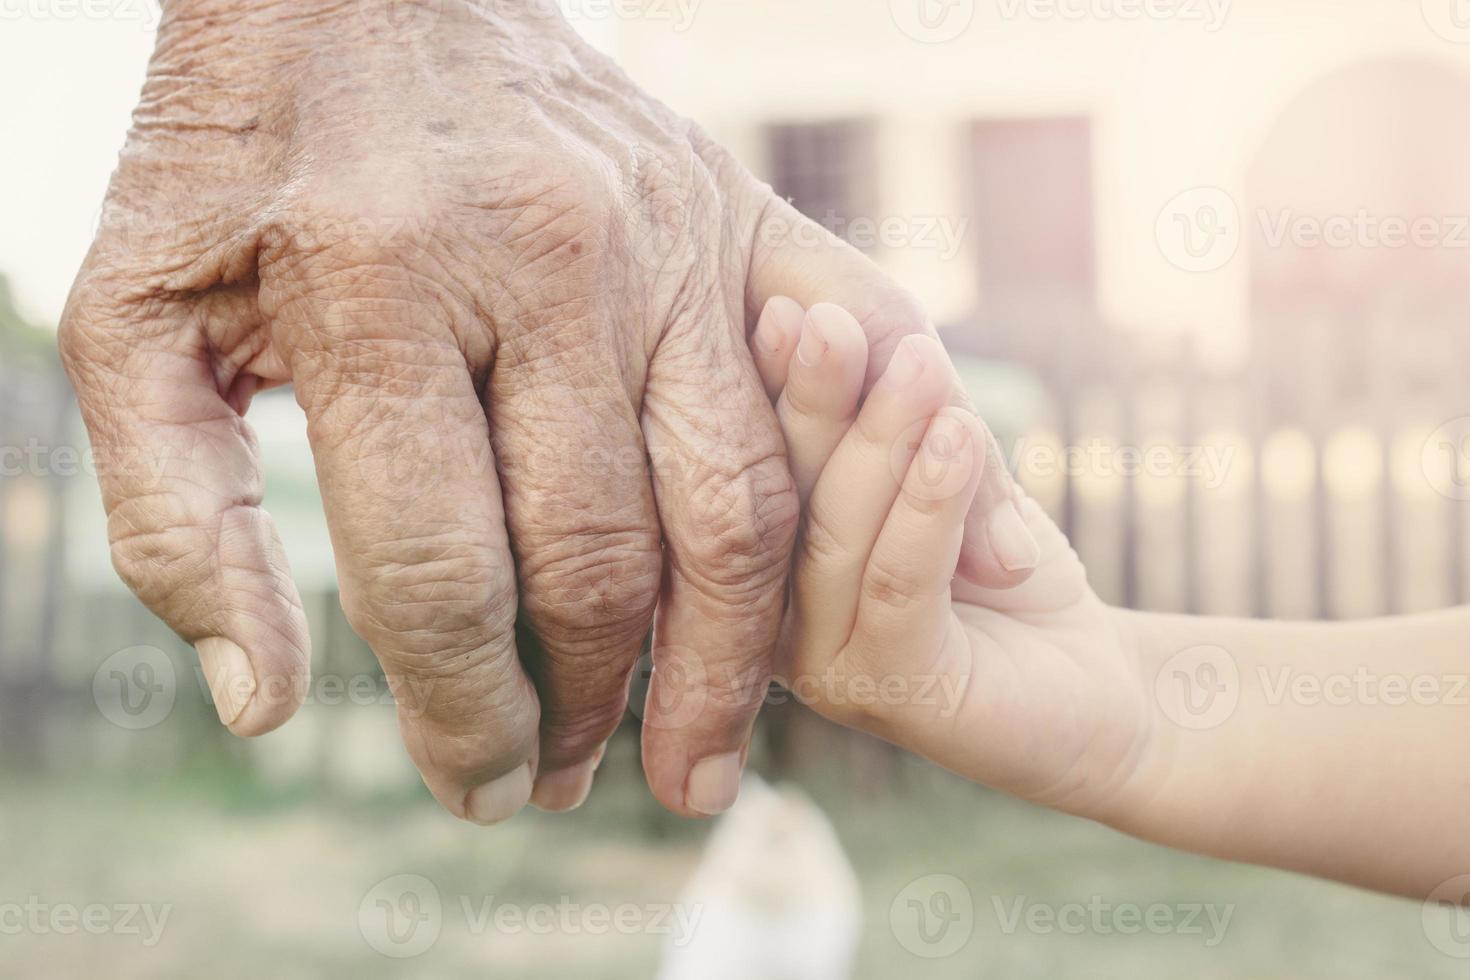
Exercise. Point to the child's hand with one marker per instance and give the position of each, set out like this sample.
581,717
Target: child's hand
1030,689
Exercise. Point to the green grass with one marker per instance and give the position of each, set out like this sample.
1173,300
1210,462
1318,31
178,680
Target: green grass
269,882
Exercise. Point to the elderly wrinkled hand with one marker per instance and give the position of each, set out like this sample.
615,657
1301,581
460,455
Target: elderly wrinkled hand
512,293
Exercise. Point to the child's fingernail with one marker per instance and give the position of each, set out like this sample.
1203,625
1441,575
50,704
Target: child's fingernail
714,784
500,799
1014,545
907,364
947,438
813,346
767,338
770,336
229,674
947,452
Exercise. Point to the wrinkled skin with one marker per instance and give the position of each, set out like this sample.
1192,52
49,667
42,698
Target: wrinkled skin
453,226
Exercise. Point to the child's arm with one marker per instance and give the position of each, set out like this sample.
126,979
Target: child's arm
1332,748
1314,747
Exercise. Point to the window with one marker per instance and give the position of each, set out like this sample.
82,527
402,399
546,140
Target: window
825,169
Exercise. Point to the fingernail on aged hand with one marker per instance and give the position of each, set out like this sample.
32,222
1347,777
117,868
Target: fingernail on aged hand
714,784
1014,545
230,677
565,789
501,799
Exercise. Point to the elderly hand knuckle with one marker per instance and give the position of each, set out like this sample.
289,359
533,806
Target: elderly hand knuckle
155,560
745,522
432,606
598,584
86,337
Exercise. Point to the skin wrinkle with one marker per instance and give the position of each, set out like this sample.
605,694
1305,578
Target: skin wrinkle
578,243
270,626
525,354
248,490
740,557
417,571
720,489
575,575
587,517
591,723
465,647
546,315
132,554
446,657
693,305
181,507
341,274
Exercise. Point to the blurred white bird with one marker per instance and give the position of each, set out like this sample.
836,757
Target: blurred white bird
776,896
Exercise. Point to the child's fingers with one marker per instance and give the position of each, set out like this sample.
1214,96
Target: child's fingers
823,385
774,341
906,585
855,492
1059,581
1006,554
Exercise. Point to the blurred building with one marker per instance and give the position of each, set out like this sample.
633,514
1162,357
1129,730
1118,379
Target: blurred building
1228,230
